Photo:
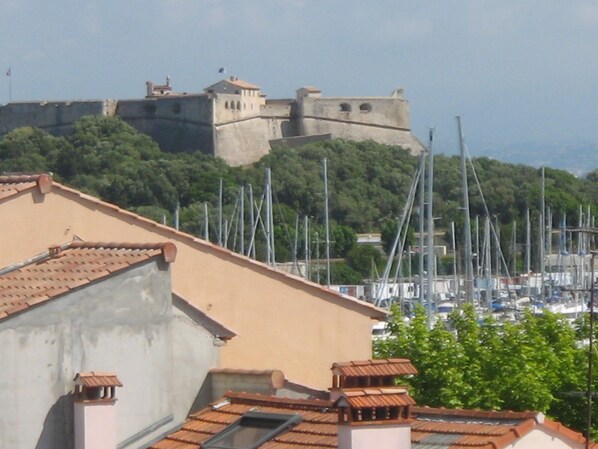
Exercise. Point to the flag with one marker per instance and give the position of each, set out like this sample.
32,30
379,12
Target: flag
8,72
222,70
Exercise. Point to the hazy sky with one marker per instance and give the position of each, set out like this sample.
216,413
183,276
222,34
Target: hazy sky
515,70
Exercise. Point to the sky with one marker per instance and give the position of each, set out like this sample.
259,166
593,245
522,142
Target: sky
516,71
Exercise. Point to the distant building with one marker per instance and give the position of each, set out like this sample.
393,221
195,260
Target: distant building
231,119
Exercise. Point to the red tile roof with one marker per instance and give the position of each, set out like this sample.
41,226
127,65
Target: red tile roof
377,397
13,184
317,430
243,84
66,268
97,379
430,427
381,367
364,307
460,429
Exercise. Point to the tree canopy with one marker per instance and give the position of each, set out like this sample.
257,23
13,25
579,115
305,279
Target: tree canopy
533,364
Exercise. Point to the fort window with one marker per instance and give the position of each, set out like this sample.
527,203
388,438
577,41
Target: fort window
150,108
232,105
344,107
365,107
238,105
244,105
226,105
176,108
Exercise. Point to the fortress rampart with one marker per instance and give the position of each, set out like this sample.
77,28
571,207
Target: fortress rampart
232,119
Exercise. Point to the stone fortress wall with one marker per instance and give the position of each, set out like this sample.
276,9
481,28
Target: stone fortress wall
231,119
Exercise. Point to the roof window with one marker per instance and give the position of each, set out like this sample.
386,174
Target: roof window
251,431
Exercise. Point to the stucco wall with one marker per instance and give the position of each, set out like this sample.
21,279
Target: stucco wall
281,323
395,436
384,111
120,325
55,117
545,439
194,354
228,108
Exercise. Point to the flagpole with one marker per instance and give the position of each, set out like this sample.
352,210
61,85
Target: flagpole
9,74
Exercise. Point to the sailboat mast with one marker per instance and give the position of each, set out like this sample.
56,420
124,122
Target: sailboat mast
306,238
220,213
542,234
422,187
528,250
468,281
430,228
326,222
242,220
206,228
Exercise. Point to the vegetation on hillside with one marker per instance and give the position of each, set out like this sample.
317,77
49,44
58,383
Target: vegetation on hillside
368,184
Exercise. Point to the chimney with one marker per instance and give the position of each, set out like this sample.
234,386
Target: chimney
95,413
373,411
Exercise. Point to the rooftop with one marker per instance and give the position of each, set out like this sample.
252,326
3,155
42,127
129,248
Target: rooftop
68,267
431,428
381,367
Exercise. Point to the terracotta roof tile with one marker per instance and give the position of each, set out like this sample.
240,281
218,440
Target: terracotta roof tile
244,84
372,397
12,184
382,367
317,429
70,267
431,427
97,379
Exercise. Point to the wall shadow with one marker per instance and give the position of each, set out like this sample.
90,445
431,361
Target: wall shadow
58,431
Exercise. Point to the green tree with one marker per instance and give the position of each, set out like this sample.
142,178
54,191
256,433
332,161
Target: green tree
363,258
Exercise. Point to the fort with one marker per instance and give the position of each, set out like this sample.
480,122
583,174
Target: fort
231,119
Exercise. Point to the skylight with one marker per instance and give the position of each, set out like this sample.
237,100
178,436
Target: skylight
251,431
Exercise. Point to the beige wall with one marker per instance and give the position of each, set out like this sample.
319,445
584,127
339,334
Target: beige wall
546,439
282,322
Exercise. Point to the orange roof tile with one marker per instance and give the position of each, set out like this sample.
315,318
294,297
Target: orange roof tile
364,307
430,427
382,367
378,397
243,84
317,430
12,184
97,379
68,267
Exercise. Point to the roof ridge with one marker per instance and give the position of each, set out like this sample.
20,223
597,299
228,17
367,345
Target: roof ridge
499,414
256,399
